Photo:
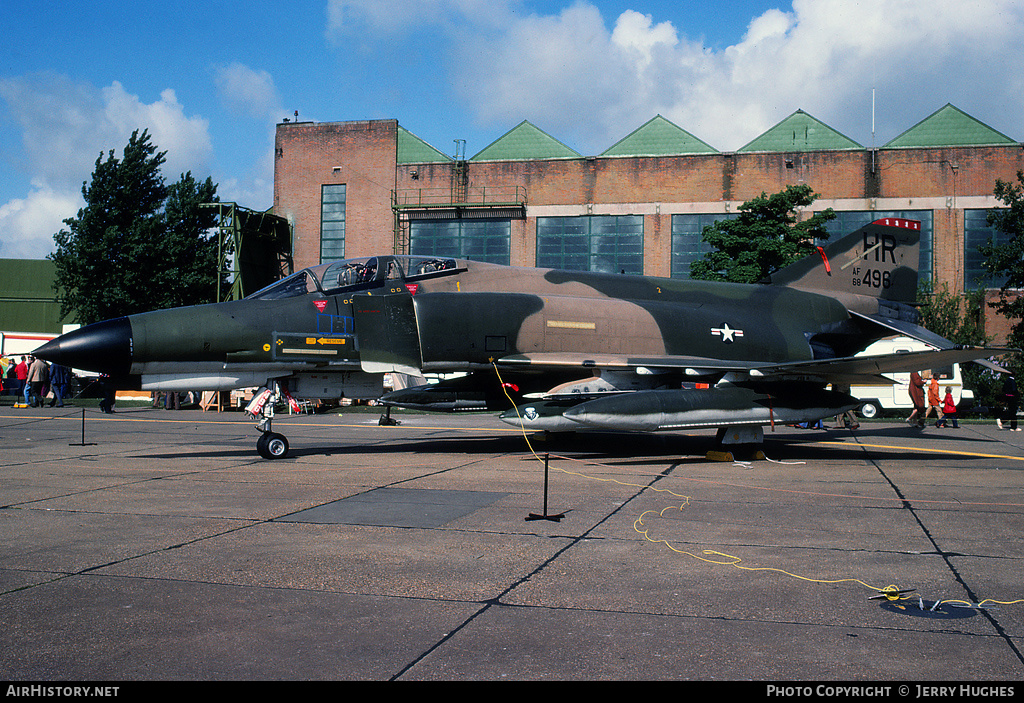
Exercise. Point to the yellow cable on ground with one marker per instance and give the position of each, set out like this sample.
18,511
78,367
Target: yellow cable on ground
734,560
890,592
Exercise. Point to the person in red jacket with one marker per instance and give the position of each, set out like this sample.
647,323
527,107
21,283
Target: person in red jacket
21,370
948,409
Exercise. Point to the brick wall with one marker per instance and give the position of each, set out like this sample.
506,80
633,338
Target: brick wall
364,155
361,155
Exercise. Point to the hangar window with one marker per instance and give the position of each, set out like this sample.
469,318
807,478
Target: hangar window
977,231
606,243
482,239
688,243
332,222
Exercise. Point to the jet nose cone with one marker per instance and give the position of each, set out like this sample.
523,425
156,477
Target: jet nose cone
103,347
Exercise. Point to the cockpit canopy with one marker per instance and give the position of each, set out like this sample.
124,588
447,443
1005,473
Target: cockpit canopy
358,274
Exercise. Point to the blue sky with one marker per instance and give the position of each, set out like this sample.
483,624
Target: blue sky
210,80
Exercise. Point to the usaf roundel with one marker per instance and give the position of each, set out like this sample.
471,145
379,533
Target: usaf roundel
727,333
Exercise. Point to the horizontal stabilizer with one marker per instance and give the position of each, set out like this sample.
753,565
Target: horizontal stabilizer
839,369
919,333
908,329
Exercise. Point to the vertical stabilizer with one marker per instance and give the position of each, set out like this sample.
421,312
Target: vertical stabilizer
878,260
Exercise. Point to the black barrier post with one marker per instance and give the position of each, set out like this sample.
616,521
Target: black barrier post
545,516
83,443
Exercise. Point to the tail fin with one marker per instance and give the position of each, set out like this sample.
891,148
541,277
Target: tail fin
878,260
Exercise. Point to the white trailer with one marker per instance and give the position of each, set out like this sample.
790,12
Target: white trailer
895,394
18,343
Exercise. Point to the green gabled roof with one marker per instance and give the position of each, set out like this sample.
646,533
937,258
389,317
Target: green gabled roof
801,132
949,126
525,142
659,137
413,150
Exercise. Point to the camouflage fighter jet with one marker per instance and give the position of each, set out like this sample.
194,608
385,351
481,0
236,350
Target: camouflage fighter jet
568,349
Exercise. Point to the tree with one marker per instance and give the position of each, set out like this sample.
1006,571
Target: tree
1007,259
958,318
137,244
194,277
764,238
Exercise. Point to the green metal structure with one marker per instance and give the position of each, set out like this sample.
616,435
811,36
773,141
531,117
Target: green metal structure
254,249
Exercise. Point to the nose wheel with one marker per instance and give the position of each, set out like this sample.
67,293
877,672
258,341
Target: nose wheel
272,445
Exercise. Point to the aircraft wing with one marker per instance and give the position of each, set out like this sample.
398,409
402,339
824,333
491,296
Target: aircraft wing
567,360
840,370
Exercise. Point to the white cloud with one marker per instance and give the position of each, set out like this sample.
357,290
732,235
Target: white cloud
634,31
390,17
185,139
249,91
27,225
553,70
252,92
576,79
65,127
256,189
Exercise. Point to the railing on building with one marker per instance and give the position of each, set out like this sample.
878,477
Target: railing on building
411,204
405,199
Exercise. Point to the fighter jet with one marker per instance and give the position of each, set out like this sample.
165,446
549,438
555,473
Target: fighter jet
555,350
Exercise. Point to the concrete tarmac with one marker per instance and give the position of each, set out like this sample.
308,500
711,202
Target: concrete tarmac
163,548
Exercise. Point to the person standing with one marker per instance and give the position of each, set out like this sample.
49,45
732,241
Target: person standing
171,401
21,371
934,402
60,379
38,377
107,394
11,377
916,390
949,408
1010,401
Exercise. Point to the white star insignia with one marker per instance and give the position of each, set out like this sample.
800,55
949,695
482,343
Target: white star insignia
727,333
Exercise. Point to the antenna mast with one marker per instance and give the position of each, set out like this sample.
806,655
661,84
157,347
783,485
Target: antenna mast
872,131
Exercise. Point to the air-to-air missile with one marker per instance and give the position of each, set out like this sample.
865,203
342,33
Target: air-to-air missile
553,349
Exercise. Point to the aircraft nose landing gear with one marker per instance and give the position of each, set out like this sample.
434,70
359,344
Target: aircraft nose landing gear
272,445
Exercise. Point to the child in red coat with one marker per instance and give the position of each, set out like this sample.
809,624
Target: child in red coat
948,409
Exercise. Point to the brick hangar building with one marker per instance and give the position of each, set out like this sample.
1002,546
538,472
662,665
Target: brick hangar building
370,187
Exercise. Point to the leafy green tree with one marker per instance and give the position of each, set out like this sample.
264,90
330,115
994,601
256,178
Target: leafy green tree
137,244
185,241
764,238
1007,259
958,318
